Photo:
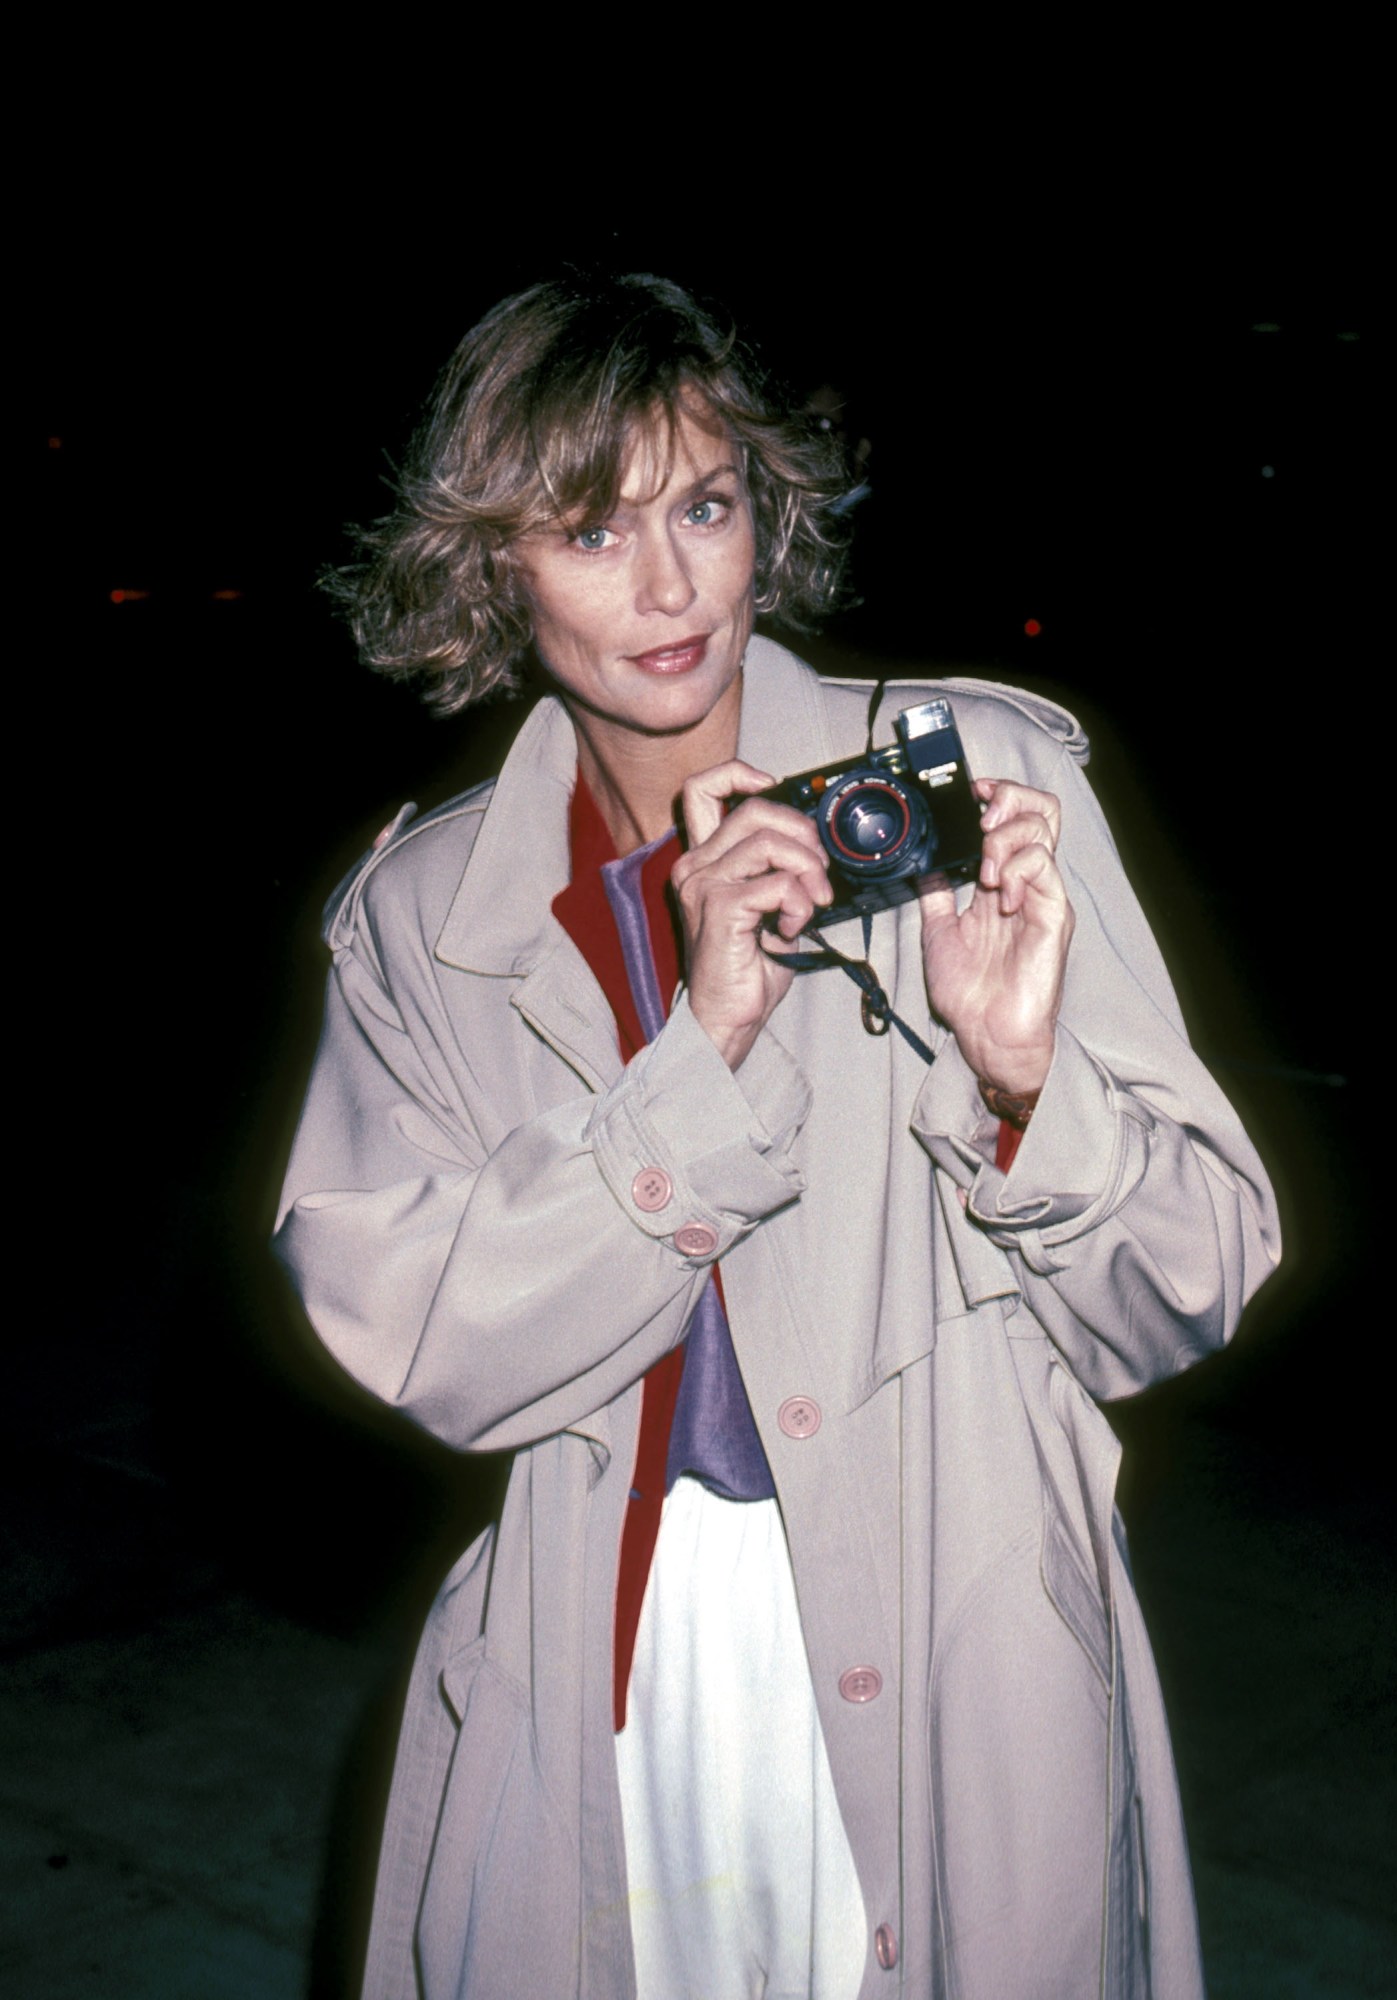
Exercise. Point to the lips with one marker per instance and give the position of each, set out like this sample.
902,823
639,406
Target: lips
680,658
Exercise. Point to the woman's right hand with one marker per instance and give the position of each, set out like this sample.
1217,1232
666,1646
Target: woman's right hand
742,870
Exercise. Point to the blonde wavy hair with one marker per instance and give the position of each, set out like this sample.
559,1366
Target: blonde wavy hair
531,423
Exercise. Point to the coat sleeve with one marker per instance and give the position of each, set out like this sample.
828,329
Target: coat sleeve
1136,1216
497,1278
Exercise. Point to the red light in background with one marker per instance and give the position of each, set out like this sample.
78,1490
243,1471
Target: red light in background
128,596
226,596
1032,627
55,444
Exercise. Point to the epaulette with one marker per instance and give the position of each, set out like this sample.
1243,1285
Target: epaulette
341,913
1049,716
1052,719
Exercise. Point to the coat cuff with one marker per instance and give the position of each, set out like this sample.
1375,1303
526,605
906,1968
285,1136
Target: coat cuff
696,1153
1083,1154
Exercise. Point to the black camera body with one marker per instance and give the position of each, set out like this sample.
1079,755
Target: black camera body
893,822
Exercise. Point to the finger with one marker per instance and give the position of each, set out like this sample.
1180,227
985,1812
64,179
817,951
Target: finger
938,910
704,793
755,853
775,944
751,816
1006,799
740,908
1031,882
1025,829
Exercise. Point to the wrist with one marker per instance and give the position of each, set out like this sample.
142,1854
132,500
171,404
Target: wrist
1011,1107
1010,1080
732,1039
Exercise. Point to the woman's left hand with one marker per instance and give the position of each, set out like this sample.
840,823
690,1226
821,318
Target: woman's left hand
994,972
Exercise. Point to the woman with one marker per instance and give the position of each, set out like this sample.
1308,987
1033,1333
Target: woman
804,1658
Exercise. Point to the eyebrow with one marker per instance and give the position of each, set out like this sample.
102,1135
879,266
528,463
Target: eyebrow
714,472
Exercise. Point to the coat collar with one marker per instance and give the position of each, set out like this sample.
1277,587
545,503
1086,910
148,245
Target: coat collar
501,919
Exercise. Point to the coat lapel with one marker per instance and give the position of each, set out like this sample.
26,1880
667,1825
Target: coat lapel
501,923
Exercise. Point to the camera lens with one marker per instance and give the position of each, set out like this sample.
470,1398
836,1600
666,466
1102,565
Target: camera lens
871,828
870,823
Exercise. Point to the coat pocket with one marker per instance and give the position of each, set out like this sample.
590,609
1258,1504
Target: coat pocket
1019,1742
500,1910
1076,1477
426,1747
1075,1592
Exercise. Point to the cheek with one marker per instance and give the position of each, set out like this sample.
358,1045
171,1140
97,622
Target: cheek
562,619
735,565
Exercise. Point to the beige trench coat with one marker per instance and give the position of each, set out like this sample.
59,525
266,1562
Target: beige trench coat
459,1219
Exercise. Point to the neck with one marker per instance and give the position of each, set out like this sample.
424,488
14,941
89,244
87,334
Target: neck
636,779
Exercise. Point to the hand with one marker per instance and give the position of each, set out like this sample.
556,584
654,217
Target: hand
743,869
994,973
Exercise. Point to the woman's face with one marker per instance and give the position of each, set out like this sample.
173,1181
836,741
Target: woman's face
643,618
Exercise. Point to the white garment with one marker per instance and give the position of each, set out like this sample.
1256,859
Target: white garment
742,1884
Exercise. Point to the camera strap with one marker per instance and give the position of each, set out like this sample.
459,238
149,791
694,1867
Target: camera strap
874,1004
875,702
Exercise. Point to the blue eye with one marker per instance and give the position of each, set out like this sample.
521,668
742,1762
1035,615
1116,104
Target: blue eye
591,540
708,513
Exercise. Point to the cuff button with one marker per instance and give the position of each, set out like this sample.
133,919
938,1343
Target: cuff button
651,1190
696,1239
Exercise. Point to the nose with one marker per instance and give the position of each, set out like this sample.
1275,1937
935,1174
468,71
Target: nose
663,582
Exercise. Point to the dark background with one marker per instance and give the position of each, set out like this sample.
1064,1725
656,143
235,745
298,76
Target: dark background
1152,432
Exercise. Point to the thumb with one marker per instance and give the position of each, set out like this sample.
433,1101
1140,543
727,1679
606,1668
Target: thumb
938,910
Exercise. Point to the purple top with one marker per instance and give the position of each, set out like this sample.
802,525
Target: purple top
714,1435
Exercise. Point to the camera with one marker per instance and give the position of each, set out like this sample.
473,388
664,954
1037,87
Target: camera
893,822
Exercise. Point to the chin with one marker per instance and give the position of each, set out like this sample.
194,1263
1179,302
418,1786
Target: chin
671,710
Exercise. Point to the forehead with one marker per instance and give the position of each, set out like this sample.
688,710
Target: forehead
674,448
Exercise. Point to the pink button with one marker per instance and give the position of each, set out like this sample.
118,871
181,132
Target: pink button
861,1684
799,1417
652,1189
885,1946
696,1239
